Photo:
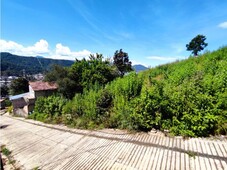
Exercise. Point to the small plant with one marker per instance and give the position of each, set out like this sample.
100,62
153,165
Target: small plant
12,161
191,154
8,102
9,157
5,151
10,109
36,168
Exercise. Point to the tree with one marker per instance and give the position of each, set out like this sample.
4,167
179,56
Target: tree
57,72
197,44
19,86
68,84
82,74
4,90
98,71
121,61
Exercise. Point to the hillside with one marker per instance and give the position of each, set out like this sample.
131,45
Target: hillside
13,64
186,98
139,67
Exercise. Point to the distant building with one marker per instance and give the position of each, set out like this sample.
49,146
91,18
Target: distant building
24,103
5,80
38,77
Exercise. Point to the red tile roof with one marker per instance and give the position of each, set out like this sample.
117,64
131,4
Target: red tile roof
40,86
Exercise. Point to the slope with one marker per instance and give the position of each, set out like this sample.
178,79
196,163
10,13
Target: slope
14,65
187,98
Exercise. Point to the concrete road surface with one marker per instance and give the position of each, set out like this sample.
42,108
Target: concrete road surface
38,145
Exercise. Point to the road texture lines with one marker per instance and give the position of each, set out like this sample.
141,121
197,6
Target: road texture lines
35,144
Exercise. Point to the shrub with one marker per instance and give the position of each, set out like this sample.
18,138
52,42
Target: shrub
48,109
187,97
10,109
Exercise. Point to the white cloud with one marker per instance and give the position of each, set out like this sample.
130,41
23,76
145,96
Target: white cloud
42,48
64,52
162,58
83,53
223,25
10,46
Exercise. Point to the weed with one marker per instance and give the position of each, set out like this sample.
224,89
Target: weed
12,161
191,154
6,152
36,168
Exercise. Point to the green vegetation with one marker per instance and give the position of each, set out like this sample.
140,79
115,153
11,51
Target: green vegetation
121,61
10,109
4,90
5,151
13,65
9,159
188,98
19,86
197,44
83,74
192,154
48,109
36,168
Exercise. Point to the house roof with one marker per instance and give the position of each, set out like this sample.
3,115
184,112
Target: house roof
23,95
41,86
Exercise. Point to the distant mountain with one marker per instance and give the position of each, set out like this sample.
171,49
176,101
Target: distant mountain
14,65
139,67
40,57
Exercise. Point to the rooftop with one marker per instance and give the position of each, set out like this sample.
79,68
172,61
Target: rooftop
40,86
23,95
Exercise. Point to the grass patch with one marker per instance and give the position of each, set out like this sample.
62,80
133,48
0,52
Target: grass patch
6,152
191,154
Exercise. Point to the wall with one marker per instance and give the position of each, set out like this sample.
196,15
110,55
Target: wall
19,103
44,93
20,112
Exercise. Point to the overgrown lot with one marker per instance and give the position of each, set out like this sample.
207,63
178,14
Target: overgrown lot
187,97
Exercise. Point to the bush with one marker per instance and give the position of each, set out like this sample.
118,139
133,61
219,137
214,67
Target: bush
8,103
187,97
48,109
10,109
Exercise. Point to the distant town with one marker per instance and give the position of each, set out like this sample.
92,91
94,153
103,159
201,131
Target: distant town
5,81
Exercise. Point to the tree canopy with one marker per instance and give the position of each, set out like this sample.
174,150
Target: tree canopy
187,98
197,44
19,86
83,74
4,90
121,61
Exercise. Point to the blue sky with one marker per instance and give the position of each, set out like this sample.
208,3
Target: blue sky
152,32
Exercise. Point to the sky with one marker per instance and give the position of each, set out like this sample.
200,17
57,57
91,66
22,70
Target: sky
152,32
